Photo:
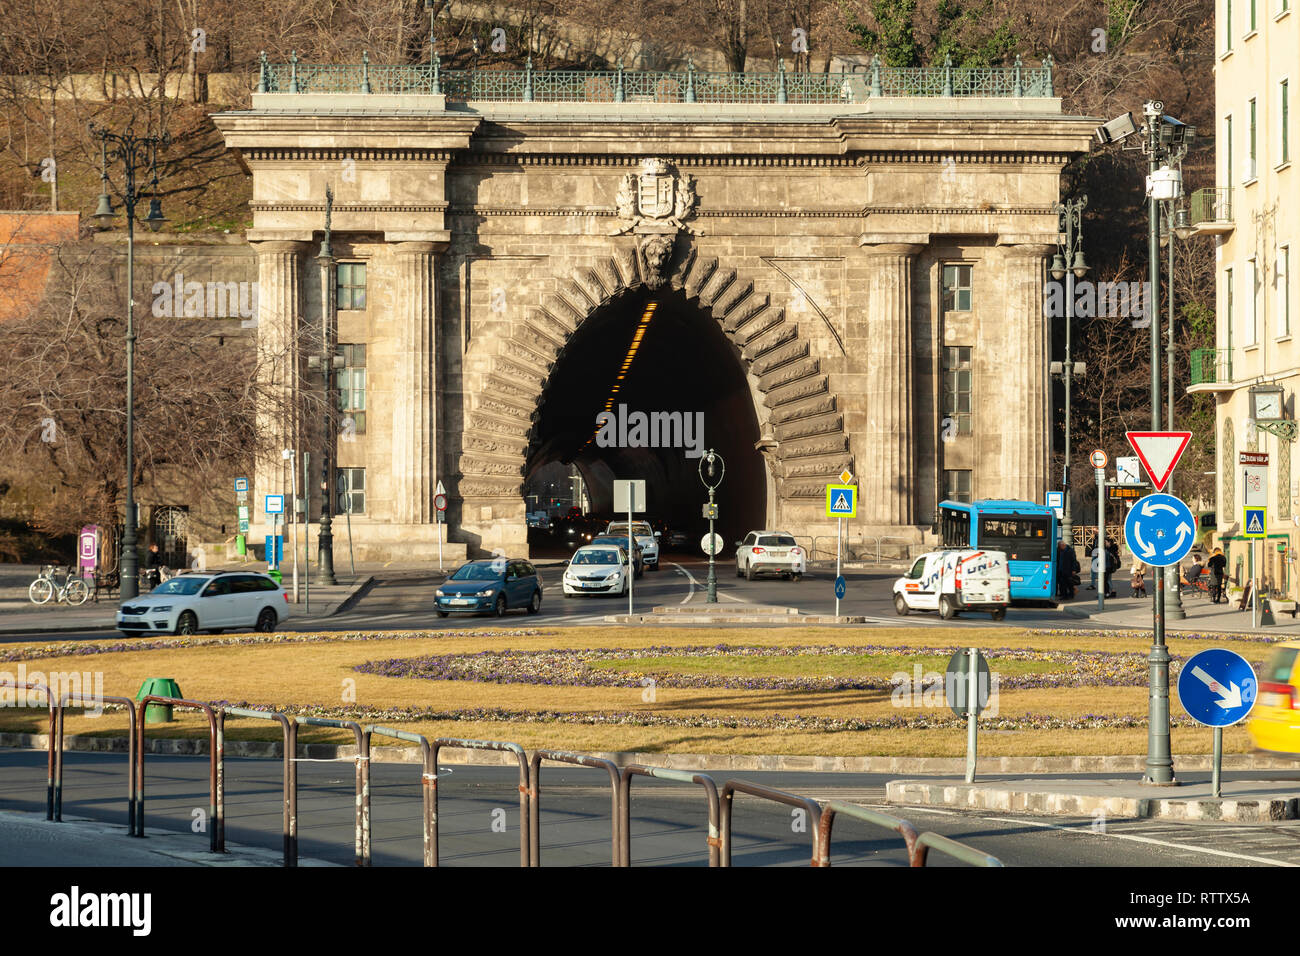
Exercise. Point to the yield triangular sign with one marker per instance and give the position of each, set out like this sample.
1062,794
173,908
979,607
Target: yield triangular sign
1159,453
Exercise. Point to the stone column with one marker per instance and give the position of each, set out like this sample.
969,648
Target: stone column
415,384
1023,364
885,462
279,319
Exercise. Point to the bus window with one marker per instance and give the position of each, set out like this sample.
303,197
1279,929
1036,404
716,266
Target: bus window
1022,538
954,528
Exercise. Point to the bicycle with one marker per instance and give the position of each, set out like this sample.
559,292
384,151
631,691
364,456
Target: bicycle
73,590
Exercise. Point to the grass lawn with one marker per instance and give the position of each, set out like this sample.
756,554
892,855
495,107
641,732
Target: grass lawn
317,673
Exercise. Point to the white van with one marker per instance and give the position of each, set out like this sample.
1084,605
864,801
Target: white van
955,581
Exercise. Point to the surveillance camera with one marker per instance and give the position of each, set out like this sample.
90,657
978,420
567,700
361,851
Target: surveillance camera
1117,130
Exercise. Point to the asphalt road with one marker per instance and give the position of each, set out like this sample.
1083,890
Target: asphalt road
668,820
403,599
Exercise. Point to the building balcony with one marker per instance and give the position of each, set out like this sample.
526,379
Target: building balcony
1211,371
1212,211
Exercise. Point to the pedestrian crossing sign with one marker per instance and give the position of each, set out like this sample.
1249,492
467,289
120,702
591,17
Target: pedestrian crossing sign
841,501
1254,522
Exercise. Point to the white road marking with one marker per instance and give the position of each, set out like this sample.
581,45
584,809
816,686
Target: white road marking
690,578
1140,839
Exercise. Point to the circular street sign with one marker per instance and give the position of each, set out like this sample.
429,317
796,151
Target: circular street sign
1160,530
440,502
955,681
840,586
711,543
1217,687
1099,459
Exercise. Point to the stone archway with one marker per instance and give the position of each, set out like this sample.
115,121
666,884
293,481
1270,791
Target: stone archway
803,440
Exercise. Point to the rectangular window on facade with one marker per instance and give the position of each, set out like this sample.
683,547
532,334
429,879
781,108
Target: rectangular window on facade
1252,308
957,389
956,288
1283,278
1253,21
350,381
1227,148
1227,19
1227,308
956,486
352,285
1250,156
352,491
1284,120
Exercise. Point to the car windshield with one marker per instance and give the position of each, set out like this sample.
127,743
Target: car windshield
619,541
777,541
595,557
642,530
181,585
476,572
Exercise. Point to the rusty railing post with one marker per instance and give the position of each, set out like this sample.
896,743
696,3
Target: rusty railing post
680,776
216,767
69,698
498,745
535,790
732,787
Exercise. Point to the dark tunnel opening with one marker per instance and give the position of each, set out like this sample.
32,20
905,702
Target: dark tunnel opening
656,354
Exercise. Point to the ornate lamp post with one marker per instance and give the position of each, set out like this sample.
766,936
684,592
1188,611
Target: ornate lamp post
327,361
712,470
1068,264
135,152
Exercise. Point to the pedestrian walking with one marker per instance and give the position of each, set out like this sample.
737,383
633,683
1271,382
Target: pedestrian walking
153,566
1218,565
1111,558
1067,571
1137,582
1096,567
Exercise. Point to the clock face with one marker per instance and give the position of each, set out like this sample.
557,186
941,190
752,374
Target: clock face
1268,405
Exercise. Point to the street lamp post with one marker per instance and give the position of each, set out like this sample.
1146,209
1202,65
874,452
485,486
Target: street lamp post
717,470
327,362
135,152
1069,266
1176,225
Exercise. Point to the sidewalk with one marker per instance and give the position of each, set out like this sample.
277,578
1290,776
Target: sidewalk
1135,614
1243,801
19,616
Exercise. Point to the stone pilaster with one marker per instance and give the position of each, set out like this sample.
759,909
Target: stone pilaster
279,319
885,460
415,384
1024,364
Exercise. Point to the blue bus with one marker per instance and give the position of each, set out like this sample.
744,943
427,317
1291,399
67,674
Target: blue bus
1024,530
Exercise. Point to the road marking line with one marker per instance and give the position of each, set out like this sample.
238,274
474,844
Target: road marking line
1139,839
690,578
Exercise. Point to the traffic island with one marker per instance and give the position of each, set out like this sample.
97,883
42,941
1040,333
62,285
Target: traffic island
1242,802
765,614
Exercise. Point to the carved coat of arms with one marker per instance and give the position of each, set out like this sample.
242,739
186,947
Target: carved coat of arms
652,204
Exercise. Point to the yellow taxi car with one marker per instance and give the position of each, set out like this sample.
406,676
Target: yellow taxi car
1274,724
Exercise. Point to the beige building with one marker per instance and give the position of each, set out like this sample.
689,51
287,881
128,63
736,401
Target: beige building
844,272
1253,215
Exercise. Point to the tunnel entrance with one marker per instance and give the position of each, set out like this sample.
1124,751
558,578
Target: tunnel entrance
669,384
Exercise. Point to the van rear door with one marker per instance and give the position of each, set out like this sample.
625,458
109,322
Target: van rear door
985,578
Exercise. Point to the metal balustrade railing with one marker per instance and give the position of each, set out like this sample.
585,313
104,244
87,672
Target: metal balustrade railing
656,86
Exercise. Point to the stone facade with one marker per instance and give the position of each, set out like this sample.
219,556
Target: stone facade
815,236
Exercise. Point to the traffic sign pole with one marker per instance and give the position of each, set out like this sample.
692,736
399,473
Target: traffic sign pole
1101,539
839,550
972,712
1217,772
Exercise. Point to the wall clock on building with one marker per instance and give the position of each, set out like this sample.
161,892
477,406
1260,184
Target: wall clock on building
1266,403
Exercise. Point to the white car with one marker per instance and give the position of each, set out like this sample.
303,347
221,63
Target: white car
208,601
770,552
955,581
596,569
647,538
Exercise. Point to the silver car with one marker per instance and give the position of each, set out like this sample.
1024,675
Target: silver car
770,552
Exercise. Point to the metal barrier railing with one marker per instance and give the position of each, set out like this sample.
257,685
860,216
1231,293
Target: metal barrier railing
959,851
535,789
498,745
216,768
680,776
130,753
834,808
732,787
290,810
363,780
428,781
49,760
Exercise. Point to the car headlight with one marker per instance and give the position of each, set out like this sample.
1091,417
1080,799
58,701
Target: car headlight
438,593
611,576
486,592
161,607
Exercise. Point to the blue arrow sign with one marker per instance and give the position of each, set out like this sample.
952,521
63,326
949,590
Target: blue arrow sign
1217,687
1160,530
840,586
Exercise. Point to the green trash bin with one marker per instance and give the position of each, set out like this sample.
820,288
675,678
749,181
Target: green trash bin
158,687
275,573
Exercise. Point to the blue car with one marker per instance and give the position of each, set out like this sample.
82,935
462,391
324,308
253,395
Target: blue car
496,586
